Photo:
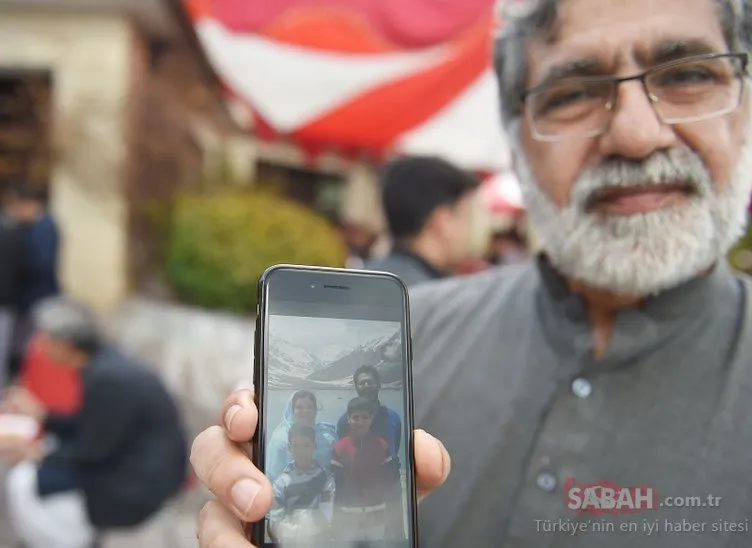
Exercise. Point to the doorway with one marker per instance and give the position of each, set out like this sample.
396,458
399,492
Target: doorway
25,129
323,192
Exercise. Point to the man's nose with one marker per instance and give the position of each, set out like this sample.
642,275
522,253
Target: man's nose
635,131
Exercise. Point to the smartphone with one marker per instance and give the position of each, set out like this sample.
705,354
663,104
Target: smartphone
333,386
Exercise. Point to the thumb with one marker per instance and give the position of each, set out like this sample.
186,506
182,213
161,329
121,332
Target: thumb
432,463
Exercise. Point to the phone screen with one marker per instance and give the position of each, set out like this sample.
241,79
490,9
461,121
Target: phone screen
336,410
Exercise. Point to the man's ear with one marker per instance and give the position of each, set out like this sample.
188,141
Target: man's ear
438,219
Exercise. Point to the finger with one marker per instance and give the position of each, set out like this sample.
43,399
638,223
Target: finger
226,471
432,463
11,441
219,528
11,455
240,416
7,453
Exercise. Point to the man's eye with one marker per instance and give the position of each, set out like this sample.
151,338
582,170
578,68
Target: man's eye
687,77
572,100
562,99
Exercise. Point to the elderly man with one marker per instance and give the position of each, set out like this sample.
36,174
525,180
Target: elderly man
116,463
599,396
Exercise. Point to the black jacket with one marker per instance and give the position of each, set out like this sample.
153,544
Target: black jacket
12,253
127,446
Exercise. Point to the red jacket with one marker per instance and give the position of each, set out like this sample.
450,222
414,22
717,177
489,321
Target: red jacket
57,388
362,469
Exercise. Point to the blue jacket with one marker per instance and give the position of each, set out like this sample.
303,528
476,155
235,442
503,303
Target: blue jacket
278,449
40,269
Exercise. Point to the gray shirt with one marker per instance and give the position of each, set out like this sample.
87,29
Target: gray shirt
411,268
504,376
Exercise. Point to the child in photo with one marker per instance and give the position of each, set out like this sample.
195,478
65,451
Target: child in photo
303,493
364,475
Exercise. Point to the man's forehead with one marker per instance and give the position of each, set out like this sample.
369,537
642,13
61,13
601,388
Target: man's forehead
605,60
641,32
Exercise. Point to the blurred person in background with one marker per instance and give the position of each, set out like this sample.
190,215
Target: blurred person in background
11,277
619,357
115,464
433,211
359,240
42,248
507,247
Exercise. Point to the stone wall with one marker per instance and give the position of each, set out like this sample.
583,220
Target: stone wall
200,355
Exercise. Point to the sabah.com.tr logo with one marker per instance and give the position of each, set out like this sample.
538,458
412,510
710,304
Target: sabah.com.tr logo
606,497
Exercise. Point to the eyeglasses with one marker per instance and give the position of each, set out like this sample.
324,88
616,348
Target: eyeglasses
681,92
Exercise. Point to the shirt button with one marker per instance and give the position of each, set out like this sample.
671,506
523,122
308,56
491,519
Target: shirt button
582,388
546,482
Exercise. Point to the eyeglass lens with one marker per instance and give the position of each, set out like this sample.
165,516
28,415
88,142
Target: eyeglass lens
680,93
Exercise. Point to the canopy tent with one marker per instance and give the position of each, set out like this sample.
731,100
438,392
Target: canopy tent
502,193
362,76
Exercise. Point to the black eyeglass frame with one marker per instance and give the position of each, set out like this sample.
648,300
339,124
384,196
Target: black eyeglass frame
616,81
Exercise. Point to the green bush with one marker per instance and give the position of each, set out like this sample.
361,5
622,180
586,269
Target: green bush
740,256
219,244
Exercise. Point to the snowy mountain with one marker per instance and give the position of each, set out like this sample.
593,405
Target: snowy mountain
289,363
294,367
383,353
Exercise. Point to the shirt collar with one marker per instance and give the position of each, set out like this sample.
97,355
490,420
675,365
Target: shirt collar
564,315
431,270
674,301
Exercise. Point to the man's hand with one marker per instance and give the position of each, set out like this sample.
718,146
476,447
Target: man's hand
21,401
16,449
243,494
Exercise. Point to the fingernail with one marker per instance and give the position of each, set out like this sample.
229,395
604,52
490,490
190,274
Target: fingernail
243,494
231,415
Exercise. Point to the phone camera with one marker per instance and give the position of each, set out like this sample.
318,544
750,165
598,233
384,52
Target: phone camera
313,286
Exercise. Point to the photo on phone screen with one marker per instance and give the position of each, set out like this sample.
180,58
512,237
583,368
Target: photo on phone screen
336,424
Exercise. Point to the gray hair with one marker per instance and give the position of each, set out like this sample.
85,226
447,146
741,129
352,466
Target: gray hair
524,19
69,320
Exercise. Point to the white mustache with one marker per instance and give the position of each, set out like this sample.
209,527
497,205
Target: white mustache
661,168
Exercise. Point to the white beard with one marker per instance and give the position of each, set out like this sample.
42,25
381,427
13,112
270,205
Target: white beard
640,255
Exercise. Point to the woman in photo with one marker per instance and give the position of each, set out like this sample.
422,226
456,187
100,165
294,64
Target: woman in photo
301,409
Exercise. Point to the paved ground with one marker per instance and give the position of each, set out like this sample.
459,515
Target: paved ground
200,357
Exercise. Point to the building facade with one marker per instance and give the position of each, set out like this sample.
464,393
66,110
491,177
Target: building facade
122,76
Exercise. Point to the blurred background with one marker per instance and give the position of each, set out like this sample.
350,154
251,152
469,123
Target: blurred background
181,147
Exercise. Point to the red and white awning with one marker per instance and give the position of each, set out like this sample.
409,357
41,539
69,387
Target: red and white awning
502,193
377,76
